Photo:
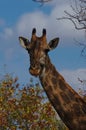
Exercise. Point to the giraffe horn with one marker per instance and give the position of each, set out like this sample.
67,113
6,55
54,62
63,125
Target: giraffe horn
44,32
34,31
44,35
33,34
44,38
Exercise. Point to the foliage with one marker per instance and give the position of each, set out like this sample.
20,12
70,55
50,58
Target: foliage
25,108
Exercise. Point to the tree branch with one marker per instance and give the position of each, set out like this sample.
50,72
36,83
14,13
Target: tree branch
78,18
83,45
75,24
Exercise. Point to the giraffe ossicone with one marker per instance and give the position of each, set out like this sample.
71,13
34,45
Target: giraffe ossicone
67,103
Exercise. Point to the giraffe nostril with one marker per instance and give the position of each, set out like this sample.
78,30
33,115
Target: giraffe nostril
34,67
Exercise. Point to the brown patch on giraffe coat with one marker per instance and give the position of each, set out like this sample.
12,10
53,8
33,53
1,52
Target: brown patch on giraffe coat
68,91
54,100
62,85
54,81
57,100
77,109
65,97
68,116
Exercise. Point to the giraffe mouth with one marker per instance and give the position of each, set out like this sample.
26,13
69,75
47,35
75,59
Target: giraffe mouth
34,72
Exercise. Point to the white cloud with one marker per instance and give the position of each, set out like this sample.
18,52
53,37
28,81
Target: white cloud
30,20
72,76
64,28
7,34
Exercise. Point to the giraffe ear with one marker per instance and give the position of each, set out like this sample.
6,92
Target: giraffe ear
24,42
53,43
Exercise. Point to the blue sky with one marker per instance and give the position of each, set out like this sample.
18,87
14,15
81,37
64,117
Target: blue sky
18,17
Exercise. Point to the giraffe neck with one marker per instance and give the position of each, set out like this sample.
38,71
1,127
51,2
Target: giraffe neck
68,104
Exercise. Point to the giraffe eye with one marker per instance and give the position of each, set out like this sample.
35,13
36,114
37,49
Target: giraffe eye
46,50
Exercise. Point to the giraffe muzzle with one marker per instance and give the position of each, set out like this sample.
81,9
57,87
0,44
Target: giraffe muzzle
34,71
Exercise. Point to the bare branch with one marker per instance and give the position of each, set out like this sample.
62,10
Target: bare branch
80,80
75,24
83,46
78,18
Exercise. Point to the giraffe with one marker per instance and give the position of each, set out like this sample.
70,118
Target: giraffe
67,103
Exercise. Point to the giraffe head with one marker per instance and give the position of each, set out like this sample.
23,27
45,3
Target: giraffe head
38,49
